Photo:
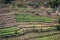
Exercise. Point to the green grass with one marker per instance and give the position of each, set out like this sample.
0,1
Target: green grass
8,31
31,18
47,38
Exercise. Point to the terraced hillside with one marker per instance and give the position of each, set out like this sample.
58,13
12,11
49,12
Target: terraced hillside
30,33
22,22
29,26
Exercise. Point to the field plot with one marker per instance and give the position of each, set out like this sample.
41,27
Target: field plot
8,31
36,36
47,38
31,18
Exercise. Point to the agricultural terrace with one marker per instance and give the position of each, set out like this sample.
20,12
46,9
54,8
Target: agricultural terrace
32,18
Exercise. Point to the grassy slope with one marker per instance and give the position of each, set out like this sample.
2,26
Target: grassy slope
31,18
7,31
47,38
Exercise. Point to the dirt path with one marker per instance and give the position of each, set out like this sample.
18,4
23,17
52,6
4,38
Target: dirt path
26,24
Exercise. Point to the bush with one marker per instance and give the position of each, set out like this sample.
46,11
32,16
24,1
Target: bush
30,4
33,4
58,27
48,12
59,20
20,5
7,1
36,5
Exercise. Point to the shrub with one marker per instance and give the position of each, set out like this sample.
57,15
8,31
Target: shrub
58,27
30,4
48,12
36,5
7,1
33,4
46,4
20,5
59,20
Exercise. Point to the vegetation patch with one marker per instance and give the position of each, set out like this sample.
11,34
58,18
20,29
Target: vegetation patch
8,31
31,18
54,37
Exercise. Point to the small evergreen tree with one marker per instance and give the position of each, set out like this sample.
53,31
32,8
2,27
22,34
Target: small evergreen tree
59,20
58,27
7,1
54,4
